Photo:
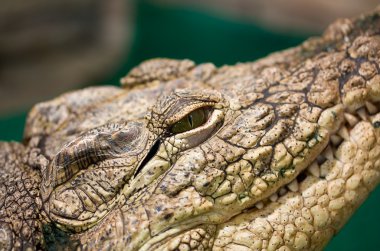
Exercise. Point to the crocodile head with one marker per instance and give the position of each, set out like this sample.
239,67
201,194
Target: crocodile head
275,154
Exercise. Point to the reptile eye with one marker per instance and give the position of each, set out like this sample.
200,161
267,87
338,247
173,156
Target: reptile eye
192,120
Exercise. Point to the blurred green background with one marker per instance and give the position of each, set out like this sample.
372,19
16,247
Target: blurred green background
178,32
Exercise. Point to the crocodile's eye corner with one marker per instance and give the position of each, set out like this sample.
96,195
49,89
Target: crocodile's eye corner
191,121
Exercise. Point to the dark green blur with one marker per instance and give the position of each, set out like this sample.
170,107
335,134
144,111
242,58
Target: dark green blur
204,37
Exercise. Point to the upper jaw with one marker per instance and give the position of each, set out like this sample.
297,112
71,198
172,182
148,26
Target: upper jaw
308,214
173,198
329,190
169,204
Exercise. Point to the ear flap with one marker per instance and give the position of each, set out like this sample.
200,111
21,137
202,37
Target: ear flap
161,69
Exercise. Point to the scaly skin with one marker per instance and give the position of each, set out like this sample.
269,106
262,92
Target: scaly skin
288,149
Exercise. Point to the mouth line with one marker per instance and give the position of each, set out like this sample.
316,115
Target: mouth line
317,168
293,186
182,228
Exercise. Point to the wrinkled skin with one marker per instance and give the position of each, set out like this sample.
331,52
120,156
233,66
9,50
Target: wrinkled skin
288,148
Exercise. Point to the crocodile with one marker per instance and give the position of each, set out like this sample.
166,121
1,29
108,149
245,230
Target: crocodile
275,154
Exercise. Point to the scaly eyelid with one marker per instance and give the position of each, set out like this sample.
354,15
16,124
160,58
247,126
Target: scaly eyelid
215,118
175,115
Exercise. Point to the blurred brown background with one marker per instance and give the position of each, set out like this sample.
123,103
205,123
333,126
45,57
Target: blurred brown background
48,47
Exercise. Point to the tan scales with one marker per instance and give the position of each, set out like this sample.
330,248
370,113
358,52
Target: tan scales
271,155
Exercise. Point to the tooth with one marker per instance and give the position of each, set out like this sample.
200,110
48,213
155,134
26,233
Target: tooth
293,186
274,197
259,205
314,169
282,191
362,113
351,119
321,159
328,153
343,132
335,139
372,109
324,170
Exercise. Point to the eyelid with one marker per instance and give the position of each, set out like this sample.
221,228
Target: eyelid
198,135
182,113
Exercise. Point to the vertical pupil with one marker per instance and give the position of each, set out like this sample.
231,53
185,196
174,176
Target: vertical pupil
190,119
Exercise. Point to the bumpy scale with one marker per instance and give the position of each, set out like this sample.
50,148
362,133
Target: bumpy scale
271,155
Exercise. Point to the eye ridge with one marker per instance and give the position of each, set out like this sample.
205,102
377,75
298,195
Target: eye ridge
191,121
